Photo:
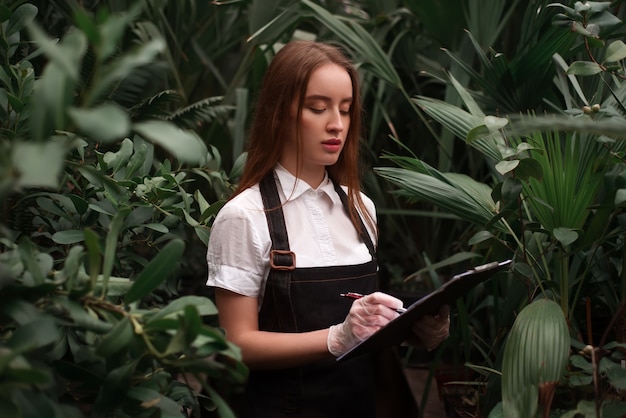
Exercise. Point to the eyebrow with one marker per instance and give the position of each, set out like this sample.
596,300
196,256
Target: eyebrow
327,99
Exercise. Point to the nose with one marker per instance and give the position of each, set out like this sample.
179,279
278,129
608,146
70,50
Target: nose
335,122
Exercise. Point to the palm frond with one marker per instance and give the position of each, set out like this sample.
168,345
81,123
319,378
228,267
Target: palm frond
202,112
156,107
457,194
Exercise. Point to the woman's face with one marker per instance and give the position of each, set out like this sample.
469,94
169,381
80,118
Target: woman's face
323,125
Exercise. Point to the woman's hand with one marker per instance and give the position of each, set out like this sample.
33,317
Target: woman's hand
367,315
430,331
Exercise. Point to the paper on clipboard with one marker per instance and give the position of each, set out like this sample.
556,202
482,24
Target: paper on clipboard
396,331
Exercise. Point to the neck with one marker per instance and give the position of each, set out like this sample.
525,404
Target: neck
312,176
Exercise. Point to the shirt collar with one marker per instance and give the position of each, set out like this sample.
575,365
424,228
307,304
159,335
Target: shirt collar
293,187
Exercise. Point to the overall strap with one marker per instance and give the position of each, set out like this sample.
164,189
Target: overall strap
282,263
282,259
367,240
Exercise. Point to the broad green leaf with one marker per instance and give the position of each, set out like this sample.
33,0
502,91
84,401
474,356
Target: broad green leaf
584,68
69,236
80,204
113,28
616,51
66,54
38,164
34,335
117,339
617,377
157,227
478,132
527,168
20,18
103,123
186,146
565,236
21,311
480,236
203,305
580,380
495,123
504,167
157,270
536,351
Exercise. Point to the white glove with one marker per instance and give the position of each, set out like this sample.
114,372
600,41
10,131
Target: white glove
367,315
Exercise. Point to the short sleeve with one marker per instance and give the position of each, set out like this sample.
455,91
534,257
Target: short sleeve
236,255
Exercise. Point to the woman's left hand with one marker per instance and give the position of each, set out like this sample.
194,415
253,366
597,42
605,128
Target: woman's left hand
432,330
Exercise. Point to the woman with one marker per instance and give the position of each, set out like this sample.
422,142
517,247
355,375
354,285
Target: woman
297,233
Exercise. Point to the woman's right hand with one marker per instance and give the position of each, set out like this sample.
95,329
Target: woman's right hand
367,315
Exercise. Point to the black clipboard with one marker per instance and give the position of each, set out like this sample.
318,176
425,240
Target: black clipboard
397,330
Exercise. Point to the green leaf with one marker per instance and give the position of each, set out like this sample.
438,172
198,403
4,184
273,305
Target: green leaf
103,123
34,335
617,377
38,164
186,146
536,351
584,68
157,270
20,18
203,305
478,132
115,340
110,245
504,167
69,236
565,236
527,168
480,236
616,51
92,242
495,123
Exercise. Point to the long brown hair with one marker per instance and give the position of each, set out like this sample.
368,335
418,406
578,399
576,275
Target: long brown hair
286,80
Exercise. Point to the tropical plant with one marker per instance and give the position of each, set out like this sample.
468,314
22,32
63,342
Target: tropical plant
553,199
96,217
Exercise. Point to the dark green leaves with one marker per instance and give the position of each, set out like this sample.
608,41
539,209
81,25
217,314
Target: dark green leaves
159,268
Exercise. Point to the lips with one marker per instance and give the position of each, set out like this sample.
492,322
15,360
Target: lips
332,145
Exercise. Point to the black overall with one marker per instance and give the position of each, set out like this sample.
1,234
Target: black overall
307,299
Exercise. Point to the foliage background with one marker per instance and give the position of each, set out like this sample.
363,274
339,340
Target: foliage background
123,129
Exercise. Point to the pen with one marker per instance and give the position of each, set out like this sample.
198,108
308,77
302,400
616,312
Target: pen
354,295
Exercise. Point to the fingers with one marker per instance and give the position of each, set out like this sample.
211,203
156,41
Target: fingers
381,305
372,312
432,330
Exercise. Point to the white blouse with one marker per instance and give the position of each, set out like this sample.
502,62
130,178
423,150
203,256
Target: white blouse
320,234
